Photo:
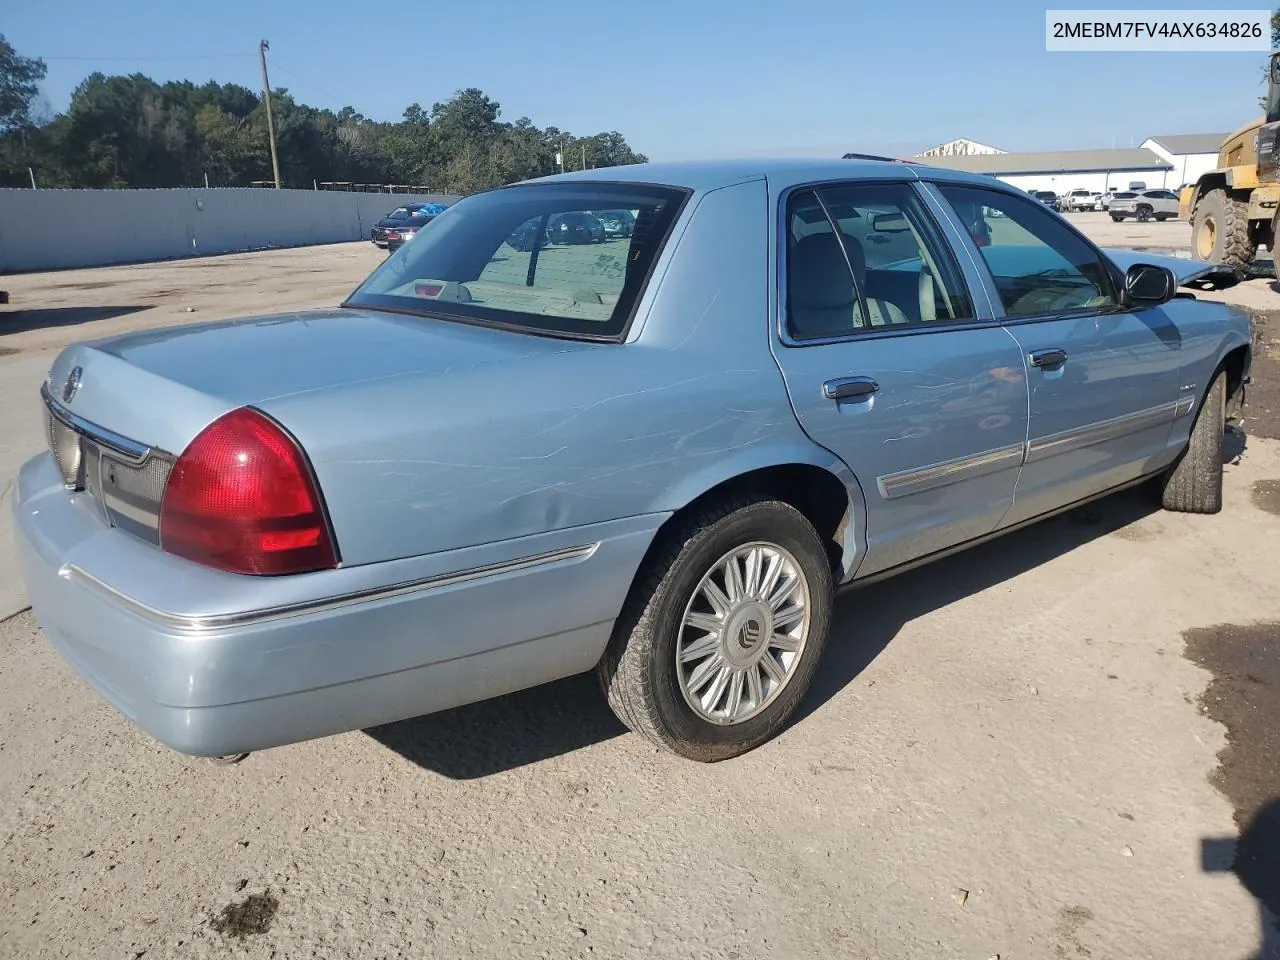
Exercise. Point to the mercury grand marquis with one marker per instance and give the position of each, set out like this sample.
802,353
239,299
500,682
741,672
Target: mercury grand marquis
656,457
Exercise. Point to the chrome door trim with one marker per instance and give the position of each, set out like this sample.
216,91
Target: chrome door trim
199,623
1077,438
931,477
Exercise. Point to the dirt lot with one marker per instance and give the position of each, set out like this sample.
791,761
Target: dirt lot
1012,753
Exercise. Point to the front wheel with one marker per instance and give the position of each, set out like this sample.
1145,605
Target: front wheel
723,630
1144,213
1194,483
1116,219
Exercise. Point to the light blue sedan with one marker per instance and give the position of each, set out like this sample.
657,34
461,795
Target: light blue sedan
657,457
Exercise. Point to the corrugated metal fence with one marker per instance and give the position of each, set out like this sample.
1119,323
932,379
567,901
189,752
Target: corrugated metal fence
48,229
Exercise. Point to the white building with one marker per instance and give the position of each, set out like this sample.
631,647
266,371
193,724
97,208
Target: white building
961,148
1065,170
1191,154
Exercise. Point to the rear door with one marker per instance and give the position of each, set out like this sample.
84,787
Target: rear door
1104,380
895,363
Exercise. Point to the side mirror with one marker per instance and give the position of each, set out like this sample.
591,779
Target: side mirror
1146,285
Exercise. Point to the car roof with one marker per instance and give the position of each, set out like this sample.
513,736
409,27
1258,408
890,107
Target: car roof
702,175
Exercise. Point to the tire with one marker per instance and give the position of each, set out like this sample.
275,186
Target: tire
1144,213
653,694
1194,483
1220,230
1116,218
1162,217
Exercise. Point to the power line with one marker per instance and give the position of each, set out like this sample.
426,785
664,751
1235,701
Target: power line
311,83
209,56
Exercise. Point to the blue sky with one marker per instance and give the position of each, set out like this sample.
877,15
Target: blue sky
679,78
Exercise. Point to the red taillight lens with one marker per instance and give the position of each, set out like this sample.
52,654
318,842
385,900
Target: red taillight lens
241,498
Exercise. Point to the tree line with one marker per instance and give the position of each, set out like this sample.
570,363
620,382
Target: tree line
129,131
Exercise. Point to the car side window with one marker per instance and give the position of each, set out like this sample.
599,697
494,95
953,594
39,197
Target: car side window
1038,263
867,256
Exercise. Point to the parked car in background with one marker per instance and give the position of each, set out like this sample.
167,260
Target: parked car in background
1145,205
398,236
1048,198
617,223
578,227
530,234
655,459
415,214
1081,200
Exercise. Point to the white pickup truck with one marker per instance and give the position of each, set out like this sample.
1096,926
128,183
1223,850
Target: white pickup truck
1081,199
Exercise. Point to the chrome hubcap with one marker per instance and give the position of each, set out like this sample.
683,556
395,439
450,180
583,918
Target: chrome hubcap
743,633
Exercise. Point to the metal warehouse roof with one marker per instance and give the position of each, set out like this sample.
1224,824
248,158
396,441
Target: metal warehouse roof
1054,161
1184,143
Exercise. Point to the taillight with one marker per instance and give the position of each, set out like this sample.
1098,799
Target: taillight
241,498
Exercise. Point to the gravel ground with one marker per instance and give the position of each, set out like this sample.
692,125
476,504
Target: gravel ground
1006,754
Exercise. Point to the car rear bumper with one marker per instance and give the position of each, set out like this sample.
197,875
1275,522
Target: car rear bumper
213,663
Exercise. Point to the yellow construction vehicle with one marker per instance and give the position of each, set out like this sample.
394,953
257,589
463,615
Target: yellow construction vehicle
1233,209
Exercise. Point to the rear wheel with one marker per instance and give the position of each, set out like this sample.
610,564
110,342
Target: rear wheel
1116,218
723,630
1162,217
1220,230
1194,483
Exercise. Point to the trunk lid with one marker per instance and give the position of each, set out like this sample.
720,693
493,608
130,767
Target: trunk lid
161,387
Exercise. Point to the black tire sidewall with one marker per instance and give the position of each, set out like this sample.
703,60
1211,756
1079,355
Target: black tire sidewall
766,520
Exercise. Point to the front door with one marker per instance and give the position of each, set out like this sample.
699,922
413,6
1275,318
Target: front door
1104,380
892,366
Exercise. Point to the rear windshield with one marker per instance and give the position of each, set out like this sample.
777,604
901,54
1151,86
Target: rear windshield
494,259
1125,195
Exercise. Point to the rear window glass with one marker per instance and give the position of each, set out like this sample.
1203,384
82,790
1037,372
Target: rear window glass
1124,195
531,257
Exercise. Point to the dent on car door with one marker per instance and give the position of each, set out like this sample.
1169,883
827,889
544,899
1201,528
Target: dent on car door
892,366
1104,380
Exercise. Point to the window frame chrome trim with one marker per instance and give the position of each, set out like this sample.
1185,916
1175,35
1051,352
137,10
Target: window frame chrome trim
205,623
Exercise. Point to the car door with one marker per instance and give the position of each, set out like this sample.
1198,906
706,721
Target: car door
1104,380
895,363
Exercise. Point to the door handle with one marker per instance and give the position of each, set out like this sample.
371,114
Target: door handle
1048,358
848,387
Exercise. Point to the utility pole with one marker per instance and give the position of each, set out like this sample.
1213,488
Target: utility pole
266,98
584,156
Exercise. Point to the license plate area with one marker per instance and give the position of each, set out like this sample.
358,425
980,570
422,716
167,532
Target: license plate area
126,490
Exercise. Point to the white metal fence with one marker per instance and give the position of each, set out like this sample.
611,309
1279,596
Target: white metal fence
49,229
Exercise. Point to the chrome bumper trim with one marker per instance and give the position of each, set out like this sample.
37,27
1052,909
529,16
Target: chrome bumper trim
199,623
